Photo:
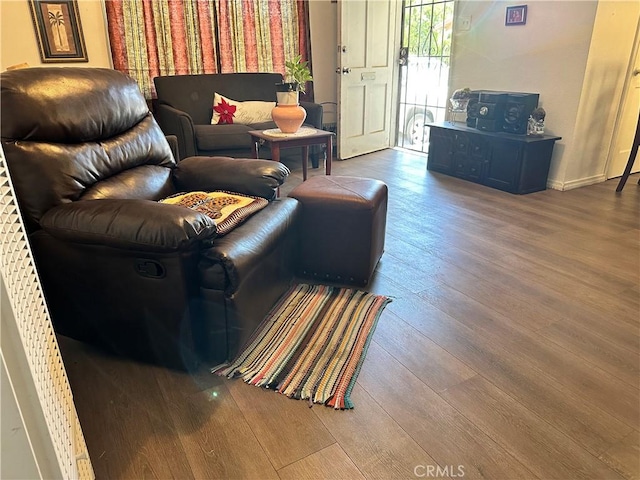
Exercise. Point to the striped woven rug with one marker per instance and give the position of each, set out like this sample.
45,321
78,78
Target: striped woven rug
311,345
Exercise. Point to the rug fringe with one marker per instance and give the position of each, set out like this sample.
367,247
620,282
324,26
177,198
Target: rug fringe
219,367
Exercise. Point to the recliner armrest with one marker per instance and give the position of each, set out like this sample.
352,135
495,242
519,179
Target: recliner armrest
129,224
260,178
314,114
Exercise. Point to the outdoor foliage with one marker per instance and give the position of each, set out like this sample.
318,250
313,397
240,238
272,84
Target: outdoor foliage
427,29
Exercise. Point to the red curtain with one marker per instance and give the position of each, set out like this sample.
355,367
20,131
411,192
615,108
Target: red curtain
150,38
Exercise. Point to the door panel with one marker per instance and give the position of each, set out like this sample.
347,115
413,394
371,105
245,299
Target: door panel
353,114
379,108
354,38
441,156
381,55
504,165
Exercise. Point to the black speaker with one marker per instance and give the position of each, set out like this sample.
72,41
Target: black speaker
472,110
491,96
490,116
491,111
517,110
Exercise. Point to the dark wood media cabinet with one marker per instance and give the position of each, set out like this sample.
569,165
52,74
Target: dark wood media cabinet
513,163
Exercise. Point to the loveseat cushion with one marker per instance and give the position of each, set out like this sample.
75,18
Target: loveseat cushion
264,125
222,137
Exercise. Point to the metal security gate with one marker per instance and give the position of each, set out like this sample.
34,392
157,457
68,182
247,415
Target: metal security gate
427,27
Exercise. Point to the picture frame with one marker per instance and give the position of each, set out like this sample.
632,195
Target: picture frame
516,15
58,31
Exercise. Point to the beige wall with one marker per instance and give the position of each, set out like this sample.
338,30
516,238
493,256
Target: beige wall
323,16
18,38
610,52
574,53
548,56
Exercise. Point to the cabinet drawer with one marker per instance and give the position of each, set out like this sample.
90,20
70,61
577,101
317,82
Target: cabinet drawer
479,148
460,143
473,169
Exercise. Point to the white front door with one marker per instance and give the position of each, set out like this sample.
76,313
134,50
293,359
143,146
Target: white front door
366,53
626,125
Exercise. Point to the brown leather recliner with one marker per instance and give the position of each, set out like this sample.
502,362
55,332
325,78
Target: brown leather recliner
149,280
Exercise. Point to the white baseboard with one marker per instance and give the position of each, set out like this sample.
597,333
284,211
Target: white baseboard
571,184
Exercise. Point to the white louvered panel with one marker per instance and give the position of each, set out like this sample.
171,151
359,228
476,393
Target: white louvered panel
38,339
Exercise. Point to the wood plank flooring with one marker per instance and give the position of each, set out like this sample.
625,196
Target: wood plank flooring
511,350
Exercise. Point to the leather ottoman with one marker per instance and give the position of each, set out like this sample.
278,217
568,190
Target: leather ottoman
342,227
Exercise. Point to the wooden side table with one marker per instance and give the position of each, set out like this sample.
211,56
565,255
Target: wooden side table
279,141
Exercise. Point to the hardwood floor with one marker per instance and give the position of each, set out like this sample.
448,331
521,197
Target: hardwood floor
511,350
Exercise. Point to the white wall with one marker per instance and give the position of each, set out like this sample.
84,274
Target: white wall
41,434
18,42
573,53
17,461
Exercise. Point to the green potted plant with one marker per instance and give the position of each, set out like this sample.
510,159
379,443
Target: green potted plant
288,114
297,74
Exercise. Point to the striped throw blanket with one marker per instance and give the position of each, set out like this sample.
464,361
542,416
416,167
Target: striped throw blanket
311,345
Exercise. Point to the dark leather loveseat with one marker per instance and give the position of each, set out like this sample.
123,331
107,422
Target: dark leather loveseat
119,269
184,108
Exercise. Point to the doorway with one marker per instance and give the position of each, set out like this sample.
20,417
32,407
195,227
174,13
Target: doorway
427,28
366,66
628,117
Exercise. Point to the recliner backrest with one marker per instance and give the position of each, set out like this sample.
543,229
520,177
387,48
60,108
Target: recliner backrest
193,94
80,133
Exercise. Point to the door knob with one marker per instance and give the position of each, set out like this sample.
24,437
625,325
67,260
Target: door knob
636,72
344,71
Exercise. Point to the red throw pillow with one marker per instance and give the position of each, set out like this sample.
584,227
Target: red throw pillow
225,110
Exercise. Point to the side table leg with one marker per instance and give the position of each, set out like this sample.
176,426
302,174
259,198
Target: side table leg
329,146
254,147
305,159
275,151
275,156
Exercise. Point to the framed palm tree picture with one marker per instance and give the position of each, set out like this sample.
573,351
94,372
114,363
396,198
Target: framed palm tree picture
58,30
